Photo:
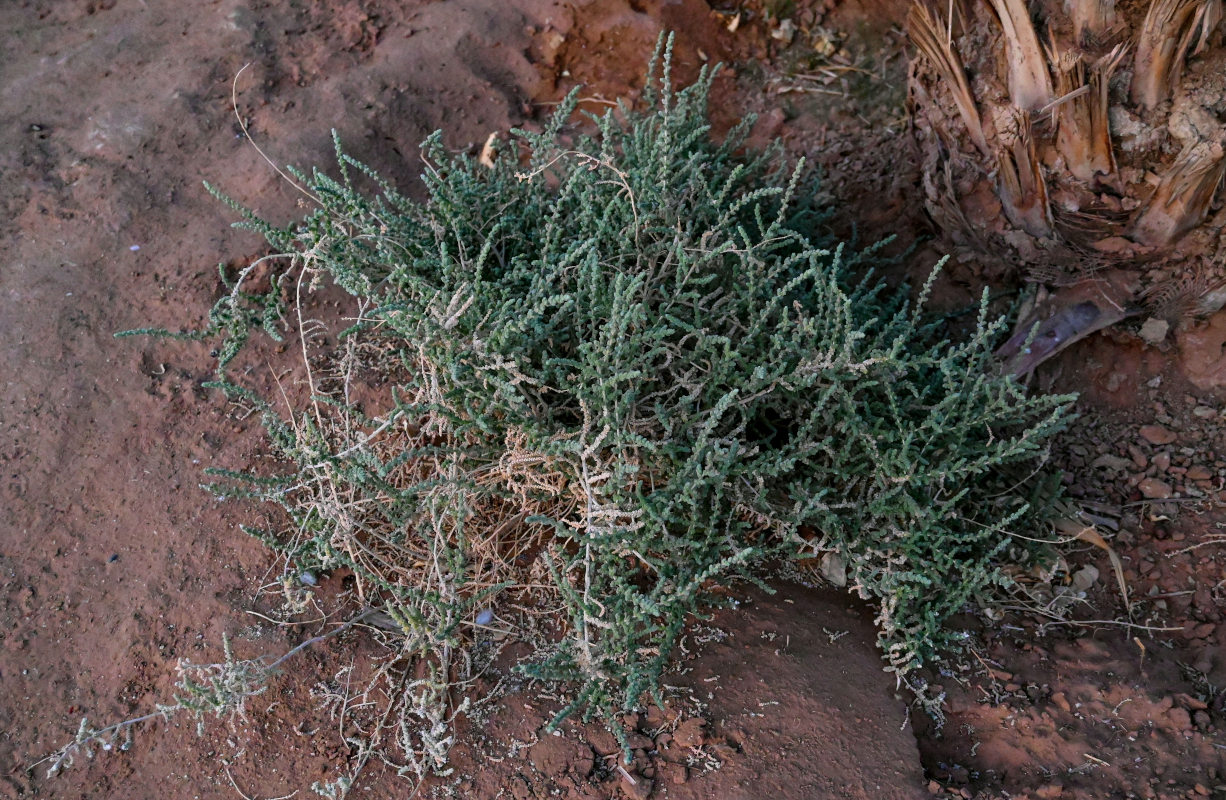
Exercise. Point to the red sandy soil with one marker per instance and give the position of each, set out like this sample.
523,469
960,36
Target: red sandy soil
116,565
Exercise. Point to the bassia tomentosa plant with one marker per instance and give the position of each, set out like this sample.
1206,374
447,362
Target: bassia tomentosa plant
614,370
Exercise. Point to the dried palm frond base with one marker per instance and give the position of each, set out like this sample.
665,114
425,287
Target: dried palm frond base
1049,326
1103,149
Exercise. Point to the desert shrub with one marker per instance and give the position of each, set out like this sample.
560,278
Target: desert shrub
612,371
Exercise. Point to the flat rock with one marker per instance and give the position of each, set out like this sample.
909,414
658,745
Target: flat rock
1113,244
1155,489
1156,434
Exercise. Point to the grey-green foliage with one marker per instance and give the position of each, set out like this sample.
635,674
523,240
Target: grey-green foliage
655,314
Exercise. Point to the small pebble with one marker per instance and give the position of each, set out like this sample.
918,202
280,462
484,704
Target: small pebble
1154,330
1112,462
1154,489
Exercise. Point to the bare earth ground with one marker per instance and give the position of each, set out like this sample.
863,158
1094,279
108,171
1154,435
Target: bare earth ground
116,565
